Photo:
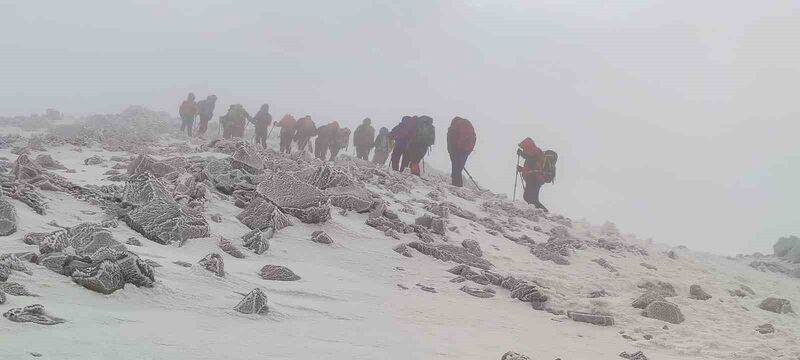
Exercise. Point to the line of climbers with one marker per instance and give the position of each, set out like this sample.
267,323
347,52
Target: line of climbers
408,142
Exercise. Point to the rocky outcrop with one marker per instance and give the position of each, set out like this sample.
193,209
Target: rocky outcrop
8,217
104,277
213,262
473,247
664,311
226,246
697,293
295,197
446,252
246,158
778,306
321,237
277,273
84,240
253,303
258,240
594,319
33,313
261,214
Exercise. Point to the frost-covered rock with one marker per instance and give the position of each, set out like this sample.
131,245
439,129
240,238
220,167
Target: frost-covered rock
13,262
295,197
213,262
446,252
473,247
778,306
133,242
645,299
327,177
8,217
94,160
545,254
258,240
786,246
525,292
229,248
402,249
766,329
15,289
594,319
33,313
277,273
83,239
246,158
4,273
605,264
648,266
261,214
635,356
253,303
481,293
664,311
104,277
353,198
46,161
2,297
146,164
514,356
697,293
321,237
469,274
663,288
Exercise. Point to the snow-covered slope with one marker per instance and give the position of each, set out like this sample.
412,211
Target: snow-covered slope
358,298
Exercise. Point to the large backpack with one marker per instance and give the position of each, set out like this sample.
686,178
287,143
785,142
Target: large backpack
461,136
549,166
426,133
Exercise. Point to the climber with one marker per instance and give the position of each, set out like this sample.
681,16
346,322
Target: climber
288,127
539,168
401,134
306,129
205,110
234,121
262,121
326,136
424,137
341,141
383,146
364,139
188,111
460,143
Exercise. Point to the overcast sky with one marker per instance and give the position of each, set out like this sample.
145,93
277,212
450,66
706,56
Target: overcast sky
676,120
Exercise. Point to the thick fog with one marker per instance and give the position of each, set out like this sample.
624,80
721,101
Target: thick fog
675,120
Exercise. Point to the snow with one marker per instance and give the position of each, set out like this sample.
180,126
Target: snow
348,304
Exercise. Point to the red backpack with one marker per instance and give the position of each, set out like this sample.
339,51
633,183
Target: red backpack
461,136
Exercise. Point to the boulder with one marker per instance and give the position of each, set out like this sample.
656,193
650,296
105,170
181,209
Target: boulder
213,262
472,247
94,160
402,249
635,356
46,161
594,319
664,311
146,164
514,356
605,264
778,306
446,252
8,217
295,197
321,237
226,246
133,242
785,245
327,177
469,274
105,277
84,239
246,158
253,303
647,298
481,293
766,329
545,254
15,289
525,292
261,214
352,198
665,289
277,273
697,293
258,240
2,297
13,262
4,273
33,313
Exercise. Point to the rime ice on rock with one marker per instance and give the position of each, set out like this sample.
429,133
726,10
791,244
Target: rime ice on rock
326,177
605,264
545,254
402,249
84,239
472,247
469,274
514,356
778,306
481,293
446,252
46,161
353,198
8,217
104,277
253,303
33,313
258,240
146,164
2,297
213,262
664,311
261,214
229,248
94,160
15,289
165,221
4,273
246,158
594,319
295,197
277,273
697,293
321,237
645,299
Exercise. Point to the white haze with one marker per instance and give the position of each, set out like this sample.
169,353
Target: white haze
669,118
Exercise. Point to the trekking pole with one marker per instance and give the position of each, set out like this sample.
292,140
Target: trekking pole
516,179
473,179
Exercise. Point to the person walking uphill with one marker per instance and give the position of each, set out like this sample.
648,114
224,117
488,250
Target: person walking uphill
460,143
288,127
188,111
234,121
383,146
364,139
424,137
341,141
205,110
306,129
401,135
539,168
326,136
262,121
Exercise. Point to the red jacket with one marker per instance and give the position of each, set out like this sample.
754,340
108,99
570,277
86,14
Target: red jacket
461,136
